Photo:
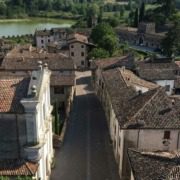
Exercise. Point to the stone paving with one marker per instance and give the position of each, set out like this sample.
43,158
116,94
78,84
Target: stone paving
86,153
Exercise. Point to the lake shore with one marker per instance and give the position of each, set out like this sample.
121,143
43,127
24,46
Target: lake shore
18,27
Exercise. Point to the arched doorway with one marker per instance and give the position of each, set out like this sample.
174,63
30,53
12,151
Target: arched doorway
141,41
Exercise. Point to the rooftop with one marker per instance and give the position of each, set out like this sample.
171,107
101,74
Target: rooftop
154,165
28,60
152,109
17,167
12,90
156,70
107,63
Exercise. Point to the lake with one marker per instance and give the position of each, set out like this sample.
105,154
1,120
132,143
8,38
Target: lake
10,27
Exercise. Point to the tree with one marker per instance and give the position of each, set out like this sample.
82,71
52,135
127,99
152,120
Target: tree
171,43
3,8
113,21
92,13
100,31
98,53
141,13
104,37
136,18
122,11
109,43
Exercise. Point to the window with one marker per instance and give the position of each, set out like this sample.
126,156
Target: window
82,46
167,87
72,53
167,134
48,40
99,82
82,53
42,41
82,62
42,46
58,90
72,46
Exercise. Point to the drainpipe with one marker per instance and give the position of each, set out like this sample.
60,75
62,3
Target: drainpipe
138,139
178,140
121,153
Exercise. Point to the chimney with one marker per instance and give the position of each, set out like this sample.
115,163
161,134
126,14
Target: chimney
33,90
40,65
45,66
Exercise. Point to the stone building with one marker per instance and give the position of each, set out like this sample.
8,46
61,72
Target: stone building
24,59
45,37
139,115
79,46
162,71
26,125
154,165
100,65
145,35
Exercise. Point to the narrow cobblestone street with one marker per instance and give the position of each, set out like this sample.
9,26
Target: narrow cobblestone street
86,153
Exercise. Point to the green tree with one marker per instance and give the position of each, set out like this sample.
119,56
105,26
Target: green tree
3,8
122,11
109,43
98,53
104,37
142,11
113,21
136,18
100,31
171,43
92,12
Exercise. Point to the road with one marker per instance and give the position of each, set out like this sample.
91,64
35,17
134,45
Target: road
86,153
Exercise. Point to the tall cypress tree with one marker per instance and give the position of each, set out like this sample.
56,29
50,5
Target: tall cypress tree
136,18
142,11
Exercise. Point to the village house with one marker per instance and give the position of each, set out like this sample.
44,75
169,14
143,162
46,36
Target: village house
24,59
139,115
26,125
162,71
100,65
145,35
79,46
177,81
45,37
149,165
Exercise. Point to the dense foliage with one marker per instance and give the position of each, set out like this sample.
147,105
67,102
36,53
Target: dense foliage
105,38
11,8
171,44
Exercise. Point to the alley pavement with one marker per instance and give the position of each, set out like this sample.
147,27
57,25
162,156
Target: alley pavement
86,153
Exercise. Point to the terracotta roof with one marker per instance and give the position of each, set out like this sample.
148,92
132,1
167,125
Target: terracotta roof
131,79
152,109
156,71
62,80
154,165
107,63
17,168
77,37
12,90
55,62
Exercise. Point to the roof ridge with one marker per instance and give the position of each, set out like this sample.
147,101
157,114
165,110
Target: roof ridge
147,102
119,69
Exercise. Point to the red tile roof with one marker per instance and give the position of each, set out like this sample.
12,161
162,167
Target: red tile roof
18,167
12,90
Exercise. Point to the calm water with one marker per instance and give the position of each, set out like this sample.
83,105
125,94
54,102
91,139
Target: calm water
28,26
